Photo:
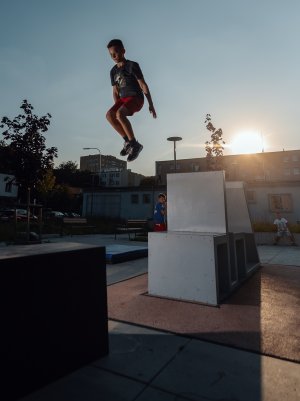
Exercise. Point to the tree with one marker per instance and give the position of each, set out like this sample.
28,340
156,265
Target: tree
25,142
214,148
148,181
45,187
70,166
68,173
5,158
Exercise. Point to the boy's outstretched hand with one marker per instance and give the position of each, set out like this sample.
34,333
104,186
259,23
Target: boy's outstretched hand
152,111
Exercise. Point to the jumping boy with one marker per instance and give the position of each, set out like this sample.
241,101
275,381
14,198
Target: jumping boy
129,88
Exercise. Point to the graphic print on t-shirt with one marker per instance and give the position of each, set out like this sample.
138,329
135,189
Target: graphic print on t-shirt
126,79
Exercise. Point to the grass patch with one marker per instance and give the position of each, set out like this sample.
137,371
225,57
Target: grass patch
263,227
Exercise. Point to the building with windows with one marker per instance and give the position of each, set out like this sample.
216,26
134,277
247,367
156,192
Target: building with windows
271,180
121,203
265,198
92,163
265,166
123,178
8,189
113,171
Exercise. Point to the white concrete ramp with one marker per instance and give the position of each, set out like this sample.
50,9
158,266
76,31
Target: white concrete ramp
209,248
196,202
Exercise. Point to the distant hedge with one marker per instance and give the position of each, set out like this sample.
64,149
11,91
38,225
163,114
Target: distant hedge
261,226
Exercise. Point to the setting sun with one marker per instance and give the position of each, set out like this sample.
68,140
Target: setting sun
247,142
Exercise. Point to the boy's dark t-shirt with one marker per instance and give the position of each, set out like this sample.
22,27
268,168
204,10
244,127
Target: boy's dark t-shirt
126,79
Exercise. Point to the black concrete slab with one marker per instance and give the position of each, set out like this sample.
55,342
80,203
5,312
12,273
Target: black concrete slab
53,309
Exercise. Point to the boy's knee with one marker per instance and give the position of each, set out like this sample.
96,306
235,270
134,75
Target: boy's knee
110,115
121,114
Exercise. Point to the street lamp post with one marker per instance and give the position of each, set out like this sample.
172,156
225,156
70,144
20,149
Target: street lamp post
174,139
92,197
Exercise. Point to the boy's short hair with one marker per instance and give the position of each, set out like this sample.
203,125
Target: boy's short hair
115,42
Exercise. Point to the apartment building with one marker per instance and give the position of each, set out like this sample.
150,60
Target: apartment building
92,163
265,166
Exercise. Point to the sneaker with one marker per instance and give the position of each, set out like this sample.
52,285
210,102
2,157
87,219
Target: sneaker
134,152
126,149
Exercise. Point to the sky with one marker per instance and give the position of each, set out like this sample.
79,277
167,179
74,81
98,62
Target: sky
237,60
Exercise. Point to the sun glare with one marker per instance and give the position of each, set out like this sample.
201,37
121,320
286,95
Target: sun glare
247,142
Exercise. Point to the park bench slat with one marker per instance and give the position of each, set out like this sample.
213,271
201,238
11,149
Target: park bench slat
75,223
132,226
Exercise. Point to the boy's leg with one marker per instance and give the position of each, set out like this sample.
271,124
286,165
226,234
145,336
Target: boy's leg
112,119
121,116
276,239
117,116
135,147
131,105
292,238
111,116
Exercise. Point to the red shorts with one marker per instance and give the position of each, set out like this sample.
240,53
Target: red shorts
132,104
160,227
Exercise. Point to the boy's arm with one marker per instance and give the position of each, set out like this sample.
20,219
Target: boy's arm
115,93
146,92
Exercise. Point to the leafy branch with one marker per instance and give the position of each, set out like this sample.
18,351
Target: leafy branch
214,148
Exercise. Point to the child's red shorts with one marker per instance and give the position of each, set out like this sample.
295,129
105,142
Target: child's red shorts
160,227
132,104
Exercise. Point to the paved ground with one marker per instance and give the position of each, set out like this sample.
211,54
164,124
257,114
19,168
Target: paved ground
251,319
149,365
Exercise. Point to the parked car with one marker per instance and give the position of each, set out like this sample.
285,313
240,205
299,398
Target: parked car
72,214
54,215
9,215
22,215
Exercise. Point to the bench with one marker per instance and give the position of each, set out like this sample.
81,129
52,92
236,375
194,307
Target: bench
75,223
132,226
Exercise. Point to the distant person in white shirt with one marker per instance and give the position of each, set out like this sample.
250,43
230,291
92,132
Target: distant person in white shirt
282,230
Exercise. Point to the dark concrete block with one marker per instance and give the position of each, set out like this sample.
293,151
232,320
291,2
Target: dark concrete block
53,310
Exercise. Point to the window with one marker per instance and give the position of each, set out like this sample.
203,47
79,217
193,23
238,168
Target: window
251,196
146,198
295,158
8,187
280,202
285,159
135,198
296,170
287,171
